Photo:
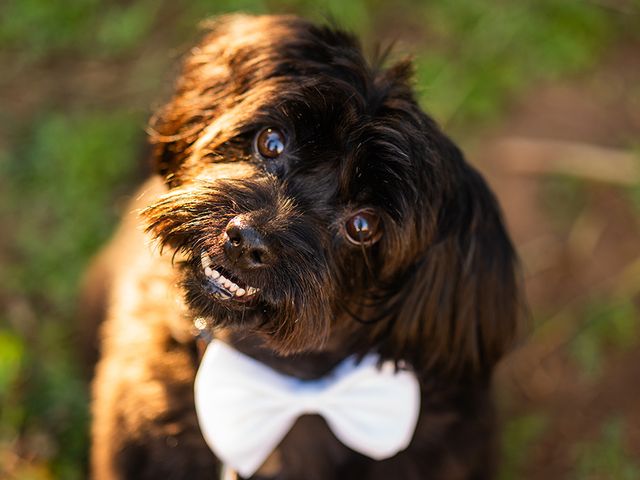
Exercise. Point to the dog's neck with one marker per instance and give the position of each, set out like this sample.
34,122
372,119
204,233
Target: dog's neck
306,366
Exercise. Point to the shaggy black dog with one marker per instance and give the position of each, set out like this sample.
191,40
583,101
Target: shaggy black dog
344,222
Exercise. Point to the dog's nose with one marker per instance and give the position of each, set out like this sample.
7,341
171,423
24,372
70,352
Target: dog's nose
245,247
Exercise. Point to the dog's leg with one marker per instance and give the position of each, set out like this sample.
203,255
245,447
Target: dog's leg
145,425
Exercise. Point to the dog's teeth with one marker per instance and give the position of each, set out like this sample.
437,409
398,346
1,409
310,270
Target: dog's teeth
225,288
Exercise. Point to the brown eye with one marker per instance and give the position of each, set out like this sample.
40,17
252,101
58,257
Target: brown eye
363,227
270,143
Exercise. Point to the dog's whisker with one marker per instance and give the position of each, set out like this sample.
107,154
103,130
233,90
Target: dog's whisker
365,257
205,260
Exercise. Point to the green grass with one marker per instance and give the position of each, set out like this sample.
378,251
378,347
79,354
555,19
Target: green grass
611,325
66,165
518,436
633,191
606,457
62,183
69,168
500,47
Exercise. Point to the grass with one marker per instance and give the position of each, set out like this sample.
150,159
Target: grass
606,458
66,164
518,436
610,325
499,48
68,169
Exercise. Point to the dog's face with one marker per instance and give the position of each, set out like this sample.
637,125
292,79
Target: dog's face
313,196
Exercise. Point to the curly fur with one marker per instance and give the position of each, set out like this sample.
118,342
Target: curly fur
438,290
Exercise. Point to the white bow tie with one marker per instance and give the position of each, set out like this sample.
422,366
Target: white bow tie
246,408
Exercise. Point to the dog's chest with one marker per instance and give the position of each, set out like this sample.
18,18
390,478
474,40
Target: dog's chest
255,418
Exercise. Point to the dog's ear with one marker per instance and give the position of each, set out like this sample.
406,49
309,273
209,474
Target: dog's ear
461,300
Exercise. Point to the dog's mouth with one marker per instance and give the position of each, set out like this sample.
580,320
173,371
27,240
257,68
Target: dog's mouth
222,286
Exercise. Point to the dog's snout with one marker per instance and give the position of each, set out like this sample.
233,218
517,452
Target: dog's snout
245,247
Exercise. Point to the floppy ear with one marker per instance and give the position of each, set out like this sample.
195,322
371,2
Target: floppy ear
461,301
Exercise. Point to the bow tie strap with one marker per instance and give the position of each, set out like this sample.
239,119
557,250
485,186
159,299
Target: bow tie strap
246,408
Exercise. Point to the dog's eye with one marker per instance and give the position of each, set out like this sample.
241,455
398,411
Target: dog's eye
363,227
270,143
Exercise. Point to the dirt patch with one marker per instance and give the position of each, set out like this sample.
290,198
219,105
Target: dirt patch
593,254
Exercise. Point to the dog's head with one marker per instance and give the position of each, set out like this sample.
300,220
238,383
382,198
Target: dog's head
315,199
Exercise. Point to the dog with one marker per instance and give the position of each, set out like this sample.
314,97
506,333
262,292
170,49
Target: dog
306,215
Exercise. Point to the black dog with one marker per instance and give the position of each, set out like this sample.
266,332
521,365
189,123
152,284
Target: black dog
343,221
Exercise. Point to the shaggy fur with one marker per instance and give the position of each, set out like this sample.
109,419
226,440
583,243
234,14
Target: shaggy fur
437,290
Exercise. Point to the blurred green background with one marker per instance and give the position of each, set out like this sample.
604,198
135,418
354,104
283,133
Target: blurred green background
544,95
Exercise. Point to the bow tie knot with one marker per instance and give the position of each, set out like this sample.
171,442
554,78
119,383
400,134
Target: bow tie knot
245,408
309,402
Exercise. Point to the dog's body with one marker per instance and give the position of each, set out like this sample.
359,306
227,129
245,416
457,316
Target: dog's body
346,223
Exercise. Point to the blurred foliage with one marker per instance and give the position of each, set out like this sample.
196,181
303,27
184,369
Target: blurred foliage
518,436
500,46
11,352
563,197
63,179
64,26
606,326
72,152
634,191
604,458
74,160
